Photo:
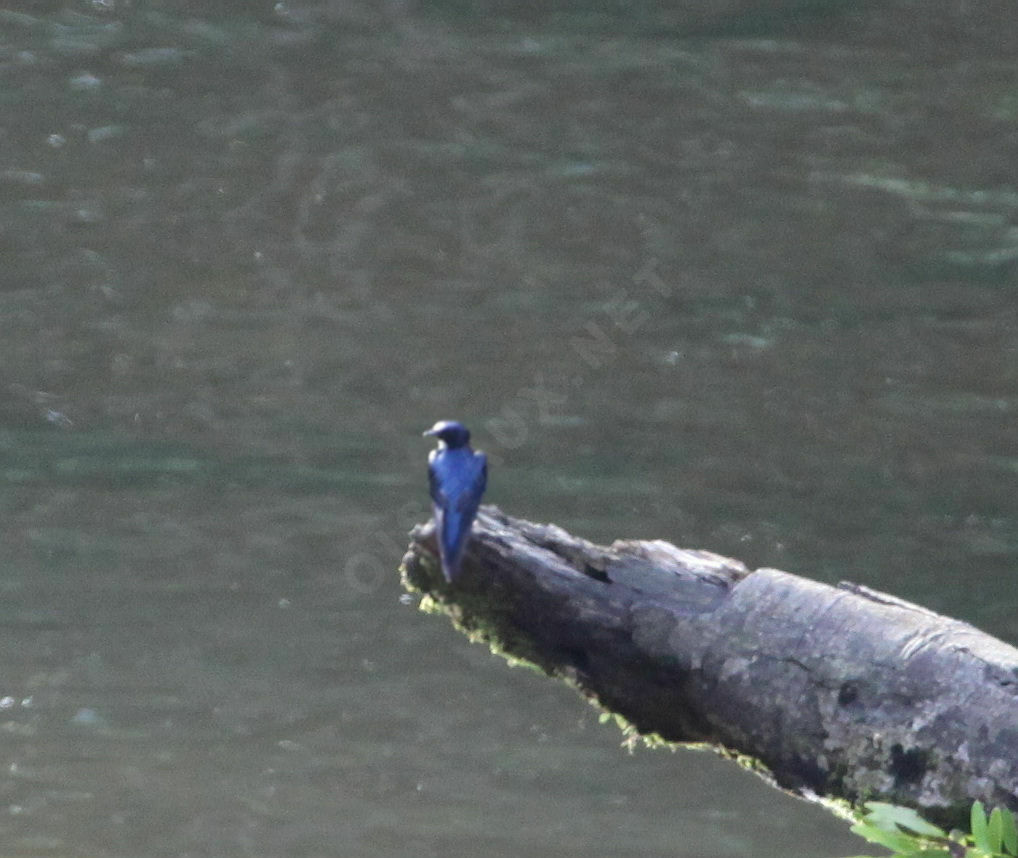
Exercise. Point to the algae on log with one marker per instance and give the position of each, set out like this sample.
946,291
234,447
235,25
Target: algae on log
839,692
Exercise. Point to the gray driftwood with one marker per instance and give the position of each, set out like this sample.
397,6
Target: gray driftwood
839,692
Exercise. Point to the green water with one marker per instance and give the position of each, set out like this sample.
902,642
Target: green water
741,279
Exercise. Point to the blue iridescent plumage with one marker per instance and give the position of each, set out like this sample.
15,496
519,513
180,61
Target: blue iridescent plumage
457,476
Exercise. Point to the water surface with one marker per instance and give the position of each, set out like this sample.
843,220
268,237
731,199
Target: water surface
740,279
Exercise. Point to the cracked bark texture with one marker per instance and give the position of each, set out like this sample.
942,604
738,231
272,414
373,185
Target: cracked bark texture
840,692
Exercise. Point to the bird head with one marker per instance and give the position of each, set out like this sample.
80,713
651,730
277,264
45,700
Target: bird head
451,433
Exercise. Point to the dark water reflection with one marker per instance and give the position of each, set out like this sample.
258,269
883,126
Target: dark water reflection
741,278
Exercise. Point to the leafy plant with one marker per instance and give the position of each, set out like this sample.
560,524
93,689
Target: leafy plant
908,835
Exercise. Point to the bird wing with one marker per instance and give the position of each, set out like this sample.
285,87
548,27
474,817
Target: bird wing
434,488
468,502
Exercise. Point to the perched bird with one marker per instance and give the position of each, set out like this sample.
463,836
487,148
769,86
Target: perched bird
457,476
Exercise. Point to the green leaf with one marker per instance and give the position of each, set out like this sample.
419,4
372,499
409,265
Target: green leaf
995,830
896,841
1008,831
936,852
887,816
979,836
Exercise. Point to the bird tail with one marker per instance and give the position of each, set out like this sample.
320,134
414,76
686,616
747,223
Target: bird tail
451,538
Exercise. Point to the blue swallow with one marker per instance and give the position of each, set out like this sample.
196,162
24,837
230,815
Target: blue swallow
457,476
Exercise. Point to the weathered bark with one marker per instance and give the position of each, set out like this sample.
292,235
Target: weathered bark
842,692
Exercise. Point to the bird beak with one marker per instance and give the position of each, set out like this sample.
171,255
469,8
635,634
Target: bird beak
430,431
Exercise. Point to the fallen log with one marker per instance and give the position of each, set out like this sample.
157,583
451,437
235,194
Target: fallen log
833,692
